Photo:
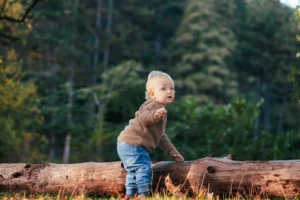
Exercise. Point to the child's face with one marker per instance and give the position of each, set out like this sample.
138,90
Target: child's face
163,90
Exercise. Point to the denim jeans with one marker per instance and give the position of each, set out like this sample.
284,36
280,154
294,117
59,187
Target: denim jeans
137,163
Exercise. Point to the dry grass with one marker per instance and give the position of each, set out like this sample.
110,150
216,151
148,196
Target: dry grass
203,195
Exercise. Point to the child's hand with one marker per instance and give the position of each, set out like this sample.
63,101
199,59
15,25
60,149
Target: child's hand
178,157
159,113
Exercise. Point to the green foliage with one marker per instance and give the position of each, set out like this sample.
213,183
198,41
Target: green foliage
265,51
294,75
19,116
118,96
268,44
9,30
213,130
283,146
200,130
202,45
294,79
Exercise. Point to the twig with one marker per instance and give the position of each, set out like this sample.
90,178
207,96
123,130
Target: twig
73,191
24,16
158,184
3,6
11,38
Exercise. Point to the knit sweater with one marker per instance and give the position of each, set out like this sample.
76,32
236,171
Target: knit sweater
147,130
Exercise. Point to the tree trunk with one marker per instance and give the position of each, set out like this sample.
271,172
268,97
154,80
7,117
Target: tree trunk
282,110
219,176
267,106
97,42
67,148
108,34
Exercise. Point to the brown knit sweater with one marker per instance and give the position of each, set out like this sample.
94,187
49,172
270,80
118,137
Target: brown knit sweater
145,130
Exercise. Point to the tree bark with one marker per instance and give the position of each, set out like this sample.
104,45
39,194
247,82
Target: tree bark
97,42
220,176
108,34
70,88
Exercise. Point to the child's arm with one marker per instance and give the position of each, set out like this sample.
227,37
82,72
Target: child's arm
166,145
150,116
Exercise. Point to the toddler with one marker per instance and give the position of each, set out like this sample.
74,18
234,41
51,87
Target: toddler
146,132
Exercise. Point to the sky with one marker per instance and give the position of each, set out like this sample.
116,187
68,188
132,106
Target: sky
292,3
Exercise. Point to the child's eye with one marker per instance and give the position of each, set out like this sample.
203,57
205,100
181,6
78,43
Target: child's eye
162,88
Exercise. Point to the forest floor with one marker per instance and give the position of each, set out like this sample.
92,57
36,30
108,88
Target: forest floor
24,196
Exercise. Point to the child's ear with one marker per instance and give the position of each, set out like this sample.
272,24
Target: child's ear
151,94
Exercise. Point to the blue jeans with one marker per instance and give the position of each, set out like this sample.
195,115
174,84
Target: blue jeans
137,163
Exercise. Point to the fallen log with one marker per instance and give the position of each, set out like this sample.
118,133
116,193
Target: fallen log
219,176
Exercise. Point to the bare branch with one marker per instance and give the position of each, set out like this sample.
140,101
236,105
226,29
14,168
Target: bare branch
3,6
13,20
24,16
9,37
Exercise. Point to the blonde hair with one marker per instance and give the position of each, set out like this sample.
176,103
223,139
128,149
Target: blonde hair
153,75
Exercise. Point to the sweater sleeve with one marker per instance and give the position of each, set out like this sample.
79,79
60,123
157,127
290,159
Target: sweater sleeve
166,145
146,115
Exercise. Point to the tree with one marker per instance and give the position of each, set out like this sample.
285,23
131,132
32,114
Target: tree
14,13
19,116
264,55
202,46
295,71
85,40
294,79
117,97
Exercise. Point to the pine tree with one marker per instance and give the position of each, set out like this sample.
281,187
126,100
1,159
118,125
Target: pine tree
264,55
203,45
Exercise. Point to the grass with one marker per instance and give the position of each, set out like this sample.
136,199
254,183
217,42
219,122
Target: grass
24,196
201,196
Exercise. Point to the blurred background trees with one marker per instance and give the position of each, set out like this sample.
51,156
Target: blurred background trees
73,74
